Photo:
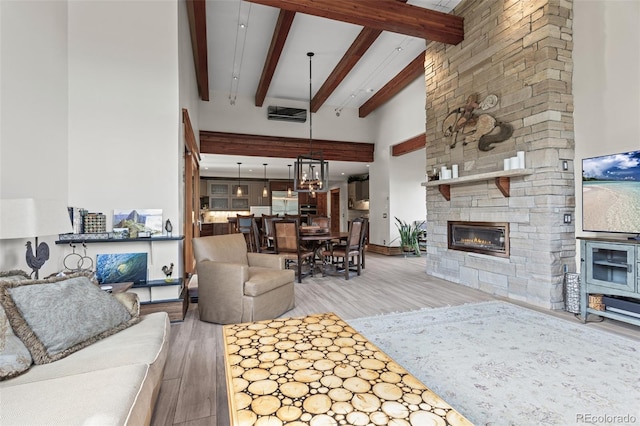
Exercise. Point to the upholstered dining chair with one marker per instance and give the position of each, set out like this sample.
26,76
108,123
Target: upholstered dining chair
235,286
287,242
243,226
321,221
350,254
267,232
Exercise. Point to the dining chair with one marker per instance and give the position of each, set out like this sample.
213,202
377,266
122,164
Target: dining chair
256,239
321,221
295,217
267,231
287,244
243,226
350,254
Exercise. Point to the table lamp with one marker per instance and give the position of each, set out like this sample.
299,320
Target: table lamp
30,218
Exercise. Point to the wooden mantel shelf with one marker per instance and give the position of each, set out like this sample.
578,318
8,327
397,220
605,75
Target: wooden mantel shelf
502,179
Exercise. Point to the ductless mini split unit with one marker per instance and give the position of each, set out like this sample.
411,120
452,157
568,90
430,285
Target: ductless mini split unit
296,115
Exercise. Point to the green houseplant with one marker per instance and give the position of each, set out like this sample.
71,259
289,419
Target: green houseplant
409,235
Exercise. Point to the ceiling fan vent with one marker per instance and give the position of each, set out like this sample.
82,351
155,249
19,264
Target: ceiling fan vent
296,115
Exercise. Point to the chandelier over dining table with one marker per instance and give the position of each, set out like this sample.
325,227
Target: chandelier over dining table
311,171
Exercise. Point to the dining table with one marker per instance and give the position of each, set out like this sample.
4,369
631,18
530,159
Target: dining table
320,240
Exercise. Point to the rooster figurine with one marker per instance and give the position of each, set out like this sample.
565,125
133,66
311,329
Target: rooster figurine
168,271
41,256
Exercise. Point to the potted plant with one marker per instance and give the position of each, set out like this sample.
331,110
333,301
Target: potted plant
409,236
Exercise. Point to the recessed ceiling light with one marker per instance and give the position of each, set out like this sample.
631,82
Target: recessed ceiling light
367,165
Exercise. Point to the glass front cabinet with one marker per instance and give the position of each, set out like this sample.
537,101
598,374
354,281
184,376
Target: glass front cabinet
611,265
609,271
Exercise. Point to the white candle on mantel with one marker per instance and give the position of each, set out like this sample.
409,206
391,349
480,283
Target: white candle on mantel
454,171
507,163
520,155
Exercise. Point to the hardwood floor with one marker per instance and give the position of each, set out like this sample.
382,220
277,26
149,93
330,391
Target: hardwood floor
194,390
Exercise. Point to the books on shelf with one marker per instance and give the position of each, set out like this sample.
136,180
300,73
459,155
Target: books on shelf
158,290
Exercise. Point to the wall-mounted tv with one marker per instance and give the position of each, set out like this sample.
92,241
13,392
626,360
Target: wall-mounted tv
611,193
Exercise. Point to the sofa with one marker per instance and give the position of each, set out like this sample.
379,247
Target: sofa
112,378
236,286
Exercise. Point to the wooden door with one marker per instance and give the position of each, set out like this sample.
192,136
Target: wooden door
321,203
335,210
191,196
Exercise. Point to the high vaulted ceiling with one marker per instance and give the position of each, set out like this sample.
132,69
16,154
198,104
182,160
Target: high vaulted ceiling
365,51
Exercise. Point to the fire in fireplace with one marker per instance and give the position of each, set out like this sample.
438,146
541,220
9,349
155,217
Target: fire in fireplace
490,238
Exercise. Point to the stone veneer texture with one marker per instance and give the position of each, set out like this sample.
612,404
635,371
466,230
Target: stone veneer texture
521,52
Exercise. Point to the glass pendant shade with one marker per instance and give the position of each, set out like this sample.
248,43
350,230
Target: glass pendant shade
265,192
239,190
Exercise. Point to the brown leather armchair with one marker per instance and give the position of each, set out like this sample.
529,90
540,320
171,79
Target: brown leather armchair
236,286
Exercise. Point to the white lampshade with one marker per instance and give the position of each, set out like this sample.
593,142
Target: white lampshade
31,217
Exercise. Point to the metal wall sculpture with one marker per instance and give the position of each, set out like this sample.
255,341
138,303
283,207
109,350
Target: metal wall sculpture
469,124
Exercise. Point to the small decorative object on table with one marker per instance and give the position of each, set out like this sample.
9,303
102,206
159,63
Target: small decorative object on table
168,270
168,227
595,302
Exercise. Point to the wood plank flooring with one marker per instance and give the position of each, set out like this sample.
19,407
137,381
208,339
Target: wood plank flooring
193,391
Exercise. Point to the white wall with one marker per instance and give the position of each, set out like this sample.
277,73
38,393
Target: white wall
33,112
124,115
606,83
397,180
91,113
244,117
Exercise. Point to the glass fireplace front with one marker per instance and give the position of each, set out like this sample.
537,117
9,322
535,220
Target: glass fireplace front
490,238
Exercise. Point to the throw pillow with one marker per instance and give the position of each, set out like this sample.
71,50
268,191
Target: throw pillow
58,316
129,301
15,358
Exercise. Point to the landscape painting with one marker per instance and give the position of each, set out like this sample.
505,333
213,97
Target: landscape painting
139,220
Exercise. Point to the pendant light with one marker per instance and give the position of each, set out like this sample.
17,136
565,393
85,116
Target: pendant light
264,188
289,190
311,171
239,190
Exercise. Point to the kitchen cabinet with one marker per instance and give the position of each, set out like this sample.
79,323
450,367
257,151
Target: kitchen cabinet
255,194
222,195
206,229
362,190
306,199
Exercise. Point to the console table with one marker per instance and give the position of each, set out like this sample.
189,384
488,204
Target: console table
317,370
609,267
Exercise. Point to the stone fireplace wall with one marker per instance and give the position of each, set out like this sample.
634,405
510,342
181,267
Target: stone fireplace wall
521,52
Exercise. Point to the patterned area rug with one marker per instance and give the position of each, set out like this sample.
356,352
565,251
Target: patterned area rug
501,364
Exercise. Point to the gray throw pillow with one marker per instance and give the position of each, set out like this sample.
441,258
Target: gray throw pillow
58,316
15,358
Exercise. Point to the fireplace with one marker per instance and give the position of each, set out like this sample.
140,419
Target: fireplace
490,238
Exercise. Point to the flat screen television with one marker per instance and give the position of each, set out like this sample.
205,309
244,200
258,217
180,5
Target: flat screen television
611,193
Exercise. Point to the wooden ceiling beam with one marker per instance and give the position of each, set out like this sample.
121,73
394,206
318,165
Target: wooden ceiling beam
282,147
414,144
280,34
399,82
351,57
196,13
385,15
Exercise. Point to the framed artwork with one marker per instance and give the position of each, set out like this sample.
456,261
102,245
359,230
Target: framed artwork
139,220
121,267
